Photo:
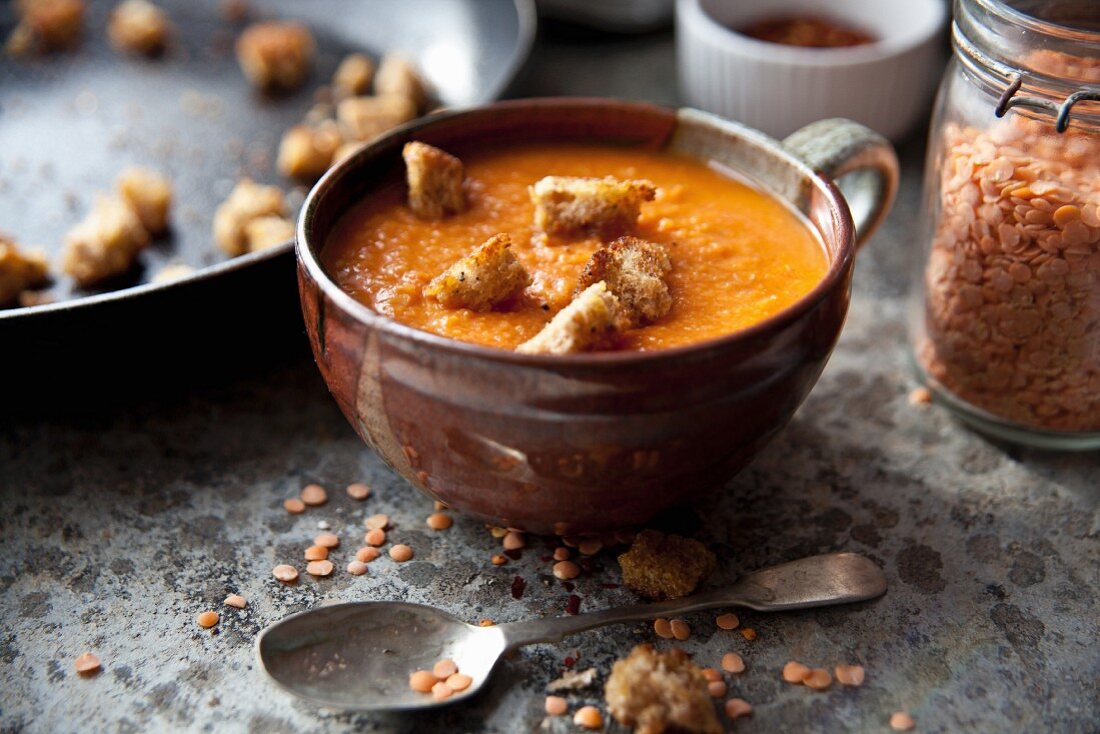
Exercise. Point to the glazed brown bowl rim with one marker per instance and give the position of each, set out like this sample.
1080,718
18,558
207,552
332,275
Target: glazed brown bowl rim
308,252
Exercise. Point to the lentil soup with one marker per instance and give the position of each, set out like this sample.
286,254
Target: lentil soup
738,255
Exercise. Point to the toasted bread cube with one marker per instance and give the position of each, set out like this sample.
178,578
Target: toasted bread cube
486,277
246,202
568,205
149,194
660,566
354,75
397,76
19,271
591,321
139,27
46,25
634,271
105,243
653,692
365,118
268,231
346,150
435,181
306,152
172,271
275,54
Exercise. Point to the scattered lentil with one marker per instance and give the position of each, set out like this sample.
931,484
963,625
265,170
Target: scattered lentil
319,568
367,554
294,506
711,674
680,629
590,546
314,495
358,491
717,688
733,663
357,568
498,560
738,707
561,553
663,628
727,621
458,682
920,396
235,600
749,634
207,620
486,623
377,522
327,540
588,717
87,663
401,553
514,541
422,681
316,553
439,521
849,675
441,690
566,570
375,537
794,672
496,532
818,679
556,706
901,721
286,574
444,669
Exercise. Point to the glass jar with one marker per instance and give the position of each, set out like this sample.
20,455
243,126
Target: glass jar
1006,304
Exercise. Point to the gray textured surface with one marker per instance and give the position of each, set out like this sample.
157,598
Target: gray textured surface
119,528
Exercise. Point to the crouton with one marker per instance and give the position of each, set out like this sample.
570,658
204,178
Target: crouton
353,76
246,202
149,194
655,692
172,271
139,27
590,321
268,231
634,271
276,54
486,277
365,118
105,244
435,181
19,271
46,25
567,205
660,566
346,150
397,76
306,152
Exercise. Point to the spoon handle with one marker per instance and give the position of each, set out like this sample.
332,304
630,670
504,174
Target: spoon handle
832,578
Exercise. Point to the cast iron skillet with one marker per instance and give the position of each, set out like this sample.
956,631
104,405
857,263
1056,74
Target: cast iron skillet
69,122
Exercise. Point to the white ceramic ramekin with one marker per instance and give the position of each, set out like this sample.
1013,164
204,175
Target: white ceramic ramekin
886,85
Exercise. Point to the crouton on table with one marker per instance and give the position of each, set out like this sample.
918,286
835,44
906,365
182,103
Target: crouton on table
276,54
105,243
365,118
660,566
655,692
634,270
489,275
149,194
590,321
268,231
353,76
306,151
569,205
435,181
246,202
19,270
138,26
396,76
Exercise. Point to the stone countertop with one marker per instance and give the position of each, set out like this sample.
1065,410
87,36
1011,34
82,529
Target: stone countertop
120,526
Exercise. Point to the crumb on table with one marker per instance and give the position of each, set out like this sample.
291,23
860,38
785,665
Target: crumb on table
149,194
268,231
46,25
138,26
354,75
365,118
19,271
660,566
105,243
654,692
397,76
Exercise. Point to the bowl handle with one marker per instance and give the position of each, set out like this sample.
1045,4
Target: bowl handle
861,161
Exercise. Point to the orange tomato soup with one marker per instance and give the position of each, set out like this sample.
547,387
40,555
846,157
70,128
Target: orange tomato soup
738,254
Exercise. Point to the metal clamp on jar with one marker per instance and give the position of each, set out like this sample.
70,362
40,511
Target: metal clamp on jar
1006,327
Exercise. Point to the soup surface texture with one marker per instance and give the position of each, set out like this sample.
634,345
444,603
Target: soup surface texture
738,255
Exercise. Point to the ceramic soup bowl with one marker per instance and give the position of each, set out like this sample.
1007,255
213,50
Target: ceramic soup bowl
586,443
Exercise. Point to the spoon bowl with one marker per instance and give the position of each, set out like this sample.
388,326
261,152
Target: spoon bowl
359,656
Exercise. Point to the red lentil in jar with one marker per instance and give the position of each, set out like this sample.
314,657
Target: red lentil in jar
1009,329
